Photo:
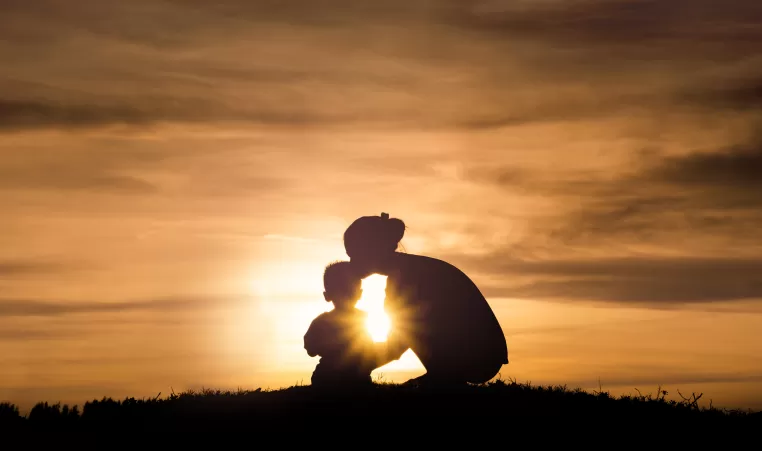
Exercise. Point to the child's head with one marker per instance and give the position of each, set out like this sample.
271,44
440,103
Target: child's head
343,285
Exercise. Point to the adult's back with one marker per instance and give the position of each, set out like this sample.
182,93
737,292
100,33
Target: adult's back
445,318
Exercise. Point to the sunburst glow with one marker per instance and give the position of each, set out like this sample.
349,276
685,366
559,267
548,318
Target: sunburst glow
372,301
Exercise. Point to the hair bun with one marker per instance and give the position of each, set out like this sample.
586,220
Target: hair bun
394,229
373,234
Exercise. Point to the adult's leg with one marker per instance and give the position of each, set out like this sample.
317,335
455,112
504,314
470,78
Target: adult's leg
452,362
443,369
482,372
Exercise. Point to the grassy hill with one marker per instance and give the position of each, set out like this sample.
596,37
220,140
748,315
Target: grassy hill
384,402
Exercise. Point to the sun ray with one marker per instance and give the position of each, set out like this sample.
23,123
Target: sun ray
372,302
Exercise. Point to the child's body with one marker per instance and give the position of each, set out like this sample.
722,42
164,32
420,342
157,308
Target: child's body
340,337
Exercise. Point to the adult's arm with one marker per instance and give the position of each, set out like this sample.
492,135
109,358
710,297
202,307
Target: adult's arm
389,351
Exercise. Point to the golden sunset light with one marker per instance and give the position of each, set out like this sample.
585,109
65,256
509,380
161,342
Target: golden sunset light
372,301
176,177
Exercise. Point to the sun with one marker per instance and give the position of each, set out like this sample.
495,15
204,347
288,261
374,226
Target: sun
372,302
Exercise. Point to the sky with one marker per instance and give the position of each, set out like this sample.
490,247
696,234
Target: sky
175,175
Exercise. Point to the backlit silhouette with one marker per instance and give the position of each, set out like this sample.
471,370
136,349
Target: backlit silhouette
341,337
436,309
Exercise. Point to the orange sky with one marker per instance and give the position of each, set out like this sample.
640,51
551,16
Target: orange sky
174,176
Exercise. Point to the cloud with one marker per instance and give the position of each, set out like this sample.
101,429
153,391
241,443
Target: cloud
665,231
11,307
21,115
655,292
736,93
17,268
651,281
736,169
628,57
23,335
697,192
404,65
141,63
141,165
609,23
26,114
42,179
700,195
43,163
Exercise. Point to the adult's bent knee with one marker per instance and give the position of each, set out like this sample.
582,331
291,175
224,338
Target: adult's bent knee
483,373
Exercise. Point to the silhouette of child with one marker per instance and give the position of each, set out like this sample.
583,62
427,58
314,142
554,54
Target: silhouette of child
340,337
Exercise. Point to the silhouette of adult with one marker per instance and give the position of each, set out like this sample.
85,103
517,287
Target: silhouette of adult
436,309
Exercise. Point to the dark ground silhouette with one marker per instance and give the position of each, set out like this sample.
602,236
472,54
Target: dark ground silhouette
378,406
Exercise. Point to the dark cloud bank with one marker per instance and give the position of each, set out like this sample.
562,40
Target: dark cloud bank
140,46
20,307
713,196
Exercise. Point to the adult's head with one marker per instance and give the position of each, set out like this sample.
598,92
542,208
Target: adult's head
370,240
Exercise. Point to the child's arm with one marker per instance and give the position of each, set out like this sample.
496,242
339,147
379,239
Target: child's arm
313,339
